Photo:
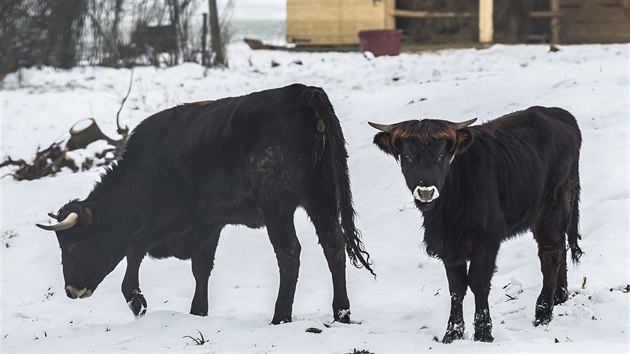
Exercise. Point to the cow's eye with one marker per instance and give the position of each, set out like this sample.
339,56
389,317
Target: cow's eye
408,157
441,157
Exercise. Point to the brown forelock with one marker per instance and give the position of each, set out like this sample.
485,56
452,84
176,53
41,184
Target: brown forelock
425,130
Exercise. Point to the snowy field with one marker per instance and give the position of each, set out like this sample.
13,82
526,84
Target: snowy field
407,305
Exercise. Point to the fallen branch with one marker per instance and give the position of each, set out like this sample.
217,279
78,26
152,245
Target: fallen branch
46,162
51,160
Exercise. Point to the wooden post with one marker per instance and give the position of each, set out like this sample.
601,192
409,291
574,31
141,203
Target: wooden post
555,23
390,19
176,25
204,39
215,34
486,28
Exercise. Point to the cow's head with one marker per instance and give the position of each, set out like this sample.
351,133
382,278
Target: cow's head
86,257
425,149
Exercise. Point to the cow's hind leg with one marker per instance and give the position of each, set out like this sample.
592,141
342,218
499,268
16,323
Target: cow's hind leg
202,264
279,179
549,234
285,243
562,293
322,209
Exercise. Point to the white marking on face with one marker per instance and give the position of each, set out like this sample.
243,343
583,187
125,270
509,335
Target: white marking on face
426,194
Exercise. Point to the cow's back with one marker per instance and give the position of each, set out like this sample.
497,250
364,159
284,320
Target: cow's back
201,159
223,128
516,162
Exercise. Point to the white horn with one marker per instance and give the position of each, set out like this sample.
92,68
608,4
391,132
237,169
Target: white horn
67,223
382,127
466,123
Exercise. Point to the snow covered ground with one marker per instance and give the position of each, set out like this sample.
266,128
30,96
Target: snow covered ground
407,306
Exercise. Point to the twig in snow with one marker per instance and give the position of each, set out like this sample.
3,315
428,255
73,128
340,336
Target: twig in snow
199,341
584,282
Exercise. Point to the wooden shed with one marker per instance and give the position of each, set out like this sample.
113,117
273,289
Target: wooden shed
594,21
334,22
337,22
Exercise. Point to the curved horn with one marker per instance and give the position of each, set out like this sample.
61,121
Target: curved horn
466,123
67,223
382,127
54,216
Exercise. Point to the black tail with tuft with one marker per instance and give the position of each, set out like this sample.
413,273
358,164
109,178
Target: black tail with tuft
319,102
574,215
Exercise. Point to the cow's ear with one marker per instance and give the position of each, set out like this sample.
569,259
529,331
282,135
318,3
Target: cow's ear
88,214
384,142
464,140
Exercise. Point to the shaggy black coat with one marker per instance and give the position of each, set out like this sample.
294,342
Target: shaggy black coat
507,176
190,170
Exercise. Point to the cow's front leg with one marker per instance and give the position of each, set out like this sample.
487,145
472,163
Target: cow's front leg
456,274
130,285
202,264
482,267
287,247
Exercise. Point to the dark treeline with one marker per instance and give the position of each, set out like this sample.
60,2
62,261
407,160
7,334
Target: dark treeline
115,33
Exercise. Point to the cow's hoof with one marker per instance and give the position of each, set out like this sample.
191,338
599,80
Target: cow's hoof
455,331
199,309
544,314
137,304
199,312
280,320
483,326
561,296
342,316
483,336
452,336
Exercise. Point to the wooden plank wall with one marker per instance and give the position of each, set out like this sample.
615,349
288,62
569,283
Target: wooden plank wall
594,21
331,22
337,22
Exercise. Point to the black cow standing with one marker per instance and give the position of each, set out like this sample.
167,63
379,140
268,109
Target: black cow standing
478,186
189,171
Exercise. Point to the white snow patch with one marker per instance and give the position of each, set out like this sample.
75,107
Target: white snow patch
407,305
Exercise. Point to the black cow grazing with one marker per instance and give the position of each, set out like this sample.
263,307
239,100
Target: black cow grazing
478,186
190,170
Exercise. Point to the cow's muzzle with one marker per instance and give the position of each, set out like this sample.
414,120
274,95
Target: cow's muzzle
426,194
75,293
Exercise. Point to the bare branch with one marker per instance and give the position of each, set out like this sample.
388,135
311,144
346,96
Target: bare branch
120,130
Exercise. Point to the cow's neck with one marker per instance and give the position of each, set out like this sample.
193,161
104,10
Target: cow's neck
439,222
117,215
